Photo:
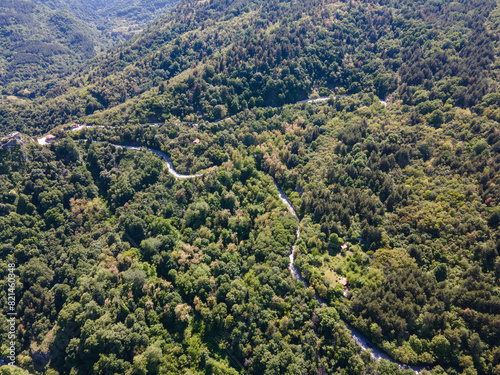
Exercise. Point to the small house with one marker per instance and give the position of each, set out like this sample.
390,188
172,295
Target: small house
50,138
196,141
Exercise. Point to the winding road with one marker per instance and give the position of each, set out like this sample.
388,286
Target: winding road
78,127
165,157
363,342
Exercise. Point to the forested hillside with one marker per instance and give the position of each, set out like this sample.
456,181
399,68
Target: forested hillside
41,38
416,201
206,60
395,179
123,269
117,20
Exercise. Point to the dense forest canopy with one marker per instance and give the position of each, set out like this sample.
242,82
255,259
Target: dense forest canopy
125,269
141,273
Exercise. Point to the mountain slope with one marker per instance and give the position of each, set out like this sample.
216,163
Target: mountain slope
211,58
117,20
34,38
40,38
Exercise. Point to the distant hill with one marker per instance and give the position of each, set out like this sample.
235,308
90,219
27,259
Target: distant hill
117,20
209,59
40,38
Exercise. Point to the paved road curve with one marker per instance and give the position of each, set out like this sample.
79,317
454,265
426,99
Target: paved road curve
166,159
